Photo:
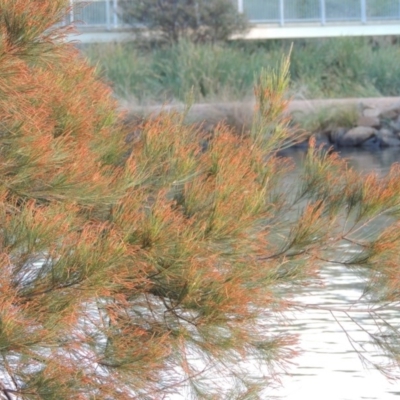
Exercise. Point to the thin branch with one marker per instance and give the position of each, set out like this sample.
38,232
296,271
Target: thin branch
5,391
7,367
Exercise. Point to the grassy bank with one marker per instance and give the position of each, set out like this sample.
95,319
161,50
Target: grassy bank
320,68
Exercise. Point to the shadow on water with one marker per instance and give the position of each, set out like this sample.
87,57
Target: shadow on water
378,161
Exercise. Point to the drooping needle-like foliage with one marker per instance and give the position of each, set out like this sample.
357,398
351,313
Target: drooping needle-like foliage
134,269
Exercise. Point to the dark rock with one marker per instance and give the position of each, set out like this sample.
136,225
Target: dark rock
357,136
372,143
323,141
335,136
395,126
388,138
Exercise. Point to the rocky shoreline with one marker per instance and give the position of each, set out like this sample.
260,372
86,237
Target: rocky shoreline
377,124
376,127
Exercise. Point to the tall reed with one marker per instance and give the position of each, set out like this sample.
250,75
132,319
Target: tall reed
320,68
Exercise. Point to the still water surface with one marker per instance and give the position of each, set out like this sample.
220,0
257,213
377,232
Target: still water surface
328,367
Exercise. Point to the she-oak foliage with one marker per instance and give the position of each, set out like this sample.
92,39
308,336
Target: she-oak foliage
134,270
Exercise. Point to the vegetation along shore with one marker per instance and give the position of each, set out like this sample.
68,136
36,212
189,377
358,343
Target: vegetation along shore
320,68
370,123
220,78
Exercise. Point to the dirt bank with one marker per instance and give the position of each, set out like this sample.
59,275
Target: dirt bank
239,114
307,106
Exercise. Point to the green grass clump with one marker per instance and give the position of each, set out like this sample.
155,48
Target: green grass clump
342,67
328,118
208,72
320,68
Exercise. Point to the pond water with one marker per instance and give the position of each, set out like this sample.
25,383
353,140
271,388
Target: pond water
329,367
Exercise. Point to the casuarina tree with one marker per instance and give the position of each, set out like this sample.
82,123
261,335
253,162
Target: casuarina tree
133,269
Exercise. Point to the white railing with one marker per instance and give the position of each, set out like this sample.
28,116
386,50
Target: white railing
106,13
320,11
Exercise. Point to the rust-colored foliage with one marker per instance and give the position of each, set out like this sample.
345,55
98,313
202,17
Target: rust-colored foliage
128,272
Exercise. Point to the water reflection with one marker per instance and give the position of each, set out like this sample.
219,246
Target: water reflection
367,161
362,160
329,366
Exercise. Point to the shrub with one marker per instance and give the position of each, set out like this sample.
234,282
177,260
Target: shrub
196,20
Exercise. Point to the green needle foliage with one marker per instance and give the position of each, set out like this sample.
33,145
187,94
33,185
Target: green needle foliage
135,270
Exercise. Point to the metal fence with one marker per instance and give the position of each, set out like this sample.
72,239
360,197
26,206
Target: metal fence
106,13
320,11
